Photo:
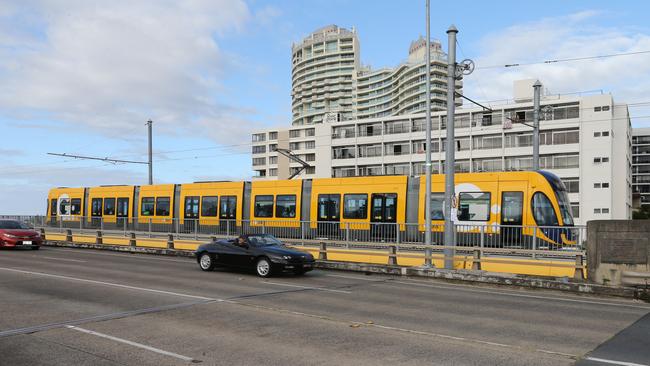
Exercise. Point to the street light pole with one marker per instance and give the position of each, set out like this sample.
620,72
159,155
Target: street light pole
536,96
450,239
427,165
149,123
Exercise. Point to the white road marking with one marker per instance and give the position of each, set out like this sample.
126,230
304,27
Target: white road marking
307,287
110,284
124,255
131,343
64,259
412,283
354,278
614,362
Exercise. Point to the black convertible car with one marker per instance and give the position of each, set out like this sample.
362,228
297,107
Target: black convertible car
264,252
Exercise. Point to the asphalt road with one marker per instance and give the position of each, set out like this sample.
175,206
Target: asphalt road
83,307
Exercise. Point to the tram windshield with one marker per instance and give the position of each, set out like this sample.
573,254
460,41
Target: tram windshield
562,197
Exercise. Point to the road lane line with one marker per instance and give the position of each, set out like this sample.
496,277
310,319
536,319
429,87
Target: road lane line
356,278
98,318
617,304
131,255
64,259
306,287
614,362
131,343
144,289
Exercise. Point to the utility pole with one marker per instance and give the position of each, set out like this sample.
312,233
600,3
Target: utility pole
149,123
427,165
450,157
536,96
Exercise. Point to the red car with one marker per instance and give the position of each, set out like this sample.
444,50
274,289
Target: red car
14,234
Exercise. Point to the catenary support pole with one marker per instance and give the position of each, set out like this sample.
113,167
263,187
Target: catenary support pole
149,123
536,96
450,238
427,165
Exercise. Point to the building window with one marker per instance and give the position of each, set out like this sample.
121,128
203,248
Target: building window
310,157
474,206
263,206
597,109
273,135
575,210
259,137
596,134
285,206
294,133
605,210
605,160
605,133
273,159
596,210
310,144
310,132
259,161
259,149
273,172
605,108
294,146
355,206
572,185
310,170
596,160
596,185
605,185
273,147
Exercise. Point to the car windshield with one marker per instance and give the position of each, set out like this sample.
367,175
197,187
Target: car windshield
10,224
263,240
565,207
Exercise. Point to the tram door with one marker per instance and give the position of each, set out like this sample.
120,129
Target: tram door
227,215
329,216
53,211
96,212
191,214
383,216
512,204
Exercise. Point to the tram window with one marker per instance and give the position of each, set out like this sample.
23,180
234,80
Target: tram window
53,207
75,206
474,206
543,211
209,206
96,207
355,206
109,206
264,206
162,206
285,206
437,203
123,207
147,206
228,207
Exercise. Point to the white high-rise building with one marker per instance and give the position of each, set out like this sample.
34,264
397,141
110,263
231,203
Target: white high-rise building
329,85
585,140
641,164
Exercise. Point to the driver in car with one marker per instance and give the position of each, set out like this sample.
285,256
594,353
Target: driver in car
241,241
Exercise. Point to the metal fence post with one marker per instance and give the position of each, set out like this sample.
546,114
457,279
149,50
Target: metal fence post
302,232
60,225
124,225
132,241
196,229
170,241
68,235
98,238
227,227
482,239
149,228
534,242
322,252
392,255
397,236
101,223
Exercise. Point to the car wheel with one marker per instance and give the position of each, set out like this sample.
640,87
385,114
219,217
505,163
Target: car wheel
263,267
206,262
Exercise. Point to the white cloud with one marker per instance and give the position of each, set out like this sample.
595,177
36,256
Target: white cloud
574,35
112,65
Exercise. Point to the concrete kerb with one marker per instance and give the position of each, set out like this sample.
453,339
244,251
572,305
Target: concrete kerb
455,276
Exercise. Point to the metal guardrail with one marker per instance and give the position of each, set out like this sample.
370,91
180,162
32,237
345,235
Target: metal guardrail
538,240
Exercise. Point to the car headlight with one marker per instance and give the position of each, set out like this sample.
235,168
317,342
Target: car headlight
286,257
10,236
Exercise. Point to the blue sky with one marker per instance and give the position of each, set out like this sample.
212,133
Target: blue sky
84,76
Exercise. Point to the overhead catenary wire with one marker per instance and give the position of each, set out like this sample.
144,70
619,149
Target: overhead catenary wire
560,60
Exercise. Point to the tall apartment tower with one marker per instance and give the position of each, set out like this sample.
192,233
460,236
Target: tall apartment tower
641,164
323,68
402,90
